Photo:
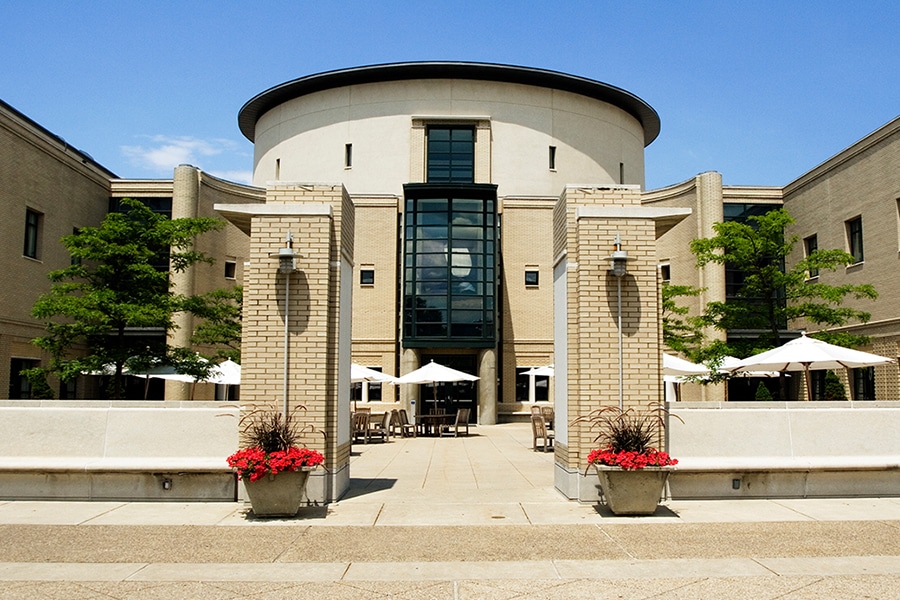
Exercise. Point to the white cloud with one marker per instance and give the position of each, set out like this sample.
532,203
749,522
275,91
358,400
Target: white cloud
235,176
163,153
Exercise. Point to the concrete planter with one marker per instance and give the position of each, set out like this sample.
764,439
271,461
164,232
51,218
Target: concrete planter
633,492
278,495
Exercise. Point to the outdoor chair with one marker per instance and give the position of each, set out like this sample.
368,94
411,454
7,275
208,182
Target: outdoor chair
361,427
539,431
396,423
382,430
548,414
536,410
462,420
406,428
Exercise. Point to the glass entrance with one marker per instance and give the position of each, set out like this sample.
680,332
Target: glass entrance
452,396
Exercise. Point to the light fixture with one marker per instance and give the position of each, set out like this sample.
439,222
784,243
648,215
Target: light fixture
287,264
287,258
617,262
618,258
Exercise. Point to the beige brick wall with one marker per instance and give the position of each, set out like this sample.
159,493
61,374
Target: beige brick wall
861,181
593,339
321,240
38,172
527,318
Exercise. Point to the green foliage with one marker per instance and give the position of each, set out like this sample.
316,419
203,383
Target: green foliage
762,393
37,379
770,296
681,332
221,325
834,389
117,282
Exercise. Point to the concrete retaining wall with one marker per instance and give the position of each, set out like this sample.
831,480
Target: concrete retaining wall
784,449
117,450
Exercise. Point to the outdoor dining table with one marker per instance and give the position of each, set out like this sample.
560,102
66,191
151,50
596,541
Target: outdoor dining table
431,424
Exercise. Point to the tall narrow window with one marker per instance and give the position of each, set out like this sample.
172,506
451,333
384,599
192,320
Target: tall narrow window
451,154
855,239
812,244
32,233
348,155
277,169
552,158
622,173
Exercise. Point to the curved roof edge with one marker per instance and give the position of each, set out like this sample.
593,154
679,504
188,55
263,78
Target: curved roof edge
251,112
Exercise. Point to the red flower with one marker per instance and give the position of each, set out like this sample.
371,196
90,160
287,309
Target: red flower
254,463
630,461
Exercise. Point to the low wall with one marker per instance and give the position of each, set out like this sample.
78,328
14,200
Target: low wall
784,449
95,450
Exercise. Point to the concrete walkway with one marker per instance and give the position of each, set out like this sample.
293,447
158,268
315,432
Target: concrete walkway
473,517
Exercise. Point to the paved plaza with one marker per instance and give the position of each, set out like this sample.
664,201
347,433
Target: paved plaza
455,518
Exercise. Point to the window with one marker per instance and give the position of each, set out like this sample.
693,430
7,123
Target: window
665,272
19,386
32,233
552,158
348,156
74,260
531,278
523,386
811,244
855,239
449,280
864,383
367,277
230,269
622,173
451,154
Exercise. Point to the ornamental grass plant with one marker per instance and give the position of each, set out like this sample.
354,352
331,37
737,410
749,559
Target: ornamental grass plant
271,444
626,437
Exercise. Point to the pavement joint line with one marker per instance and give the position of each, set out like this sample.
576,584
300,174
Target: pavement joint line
563,570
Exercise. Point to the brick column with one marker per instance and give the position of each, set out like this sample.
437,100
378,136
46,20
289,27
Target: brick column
586,221
321,220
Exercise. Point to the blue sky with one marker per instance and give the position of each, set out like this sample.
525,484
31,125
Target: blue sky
759,91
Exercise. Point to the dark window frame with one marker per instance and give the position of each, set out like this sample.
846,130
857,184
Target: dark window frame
367,276
532,278
855,239
810,245
33,222
450,158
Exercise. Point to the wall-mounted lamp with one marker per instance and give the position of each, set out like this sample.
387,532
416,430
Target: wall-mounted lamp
287,258
617,262
618,258
167,484
287,264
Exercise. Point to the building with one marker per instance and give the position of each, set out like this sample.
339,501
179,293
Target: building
453,170
48,190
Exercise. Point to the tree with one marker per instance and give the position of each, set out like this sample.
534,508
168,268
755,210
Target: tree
834,389
221,325
770,296
118,282
681,332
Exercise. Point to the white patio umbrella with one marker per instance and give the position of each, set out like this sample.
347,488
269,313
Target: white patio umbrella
434,373
225,373
546,371
672,365
359,373
809,354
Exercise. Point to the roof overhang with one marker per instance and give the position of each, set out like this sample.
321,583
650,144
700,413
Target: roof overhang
257,106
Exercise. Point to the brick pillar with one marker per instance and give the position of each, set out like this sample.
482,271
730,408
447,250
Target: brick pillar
185,205
586,221
318,297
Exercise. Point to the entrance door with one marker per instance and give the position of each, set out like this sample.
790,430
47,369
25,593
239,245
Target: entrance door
453,395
